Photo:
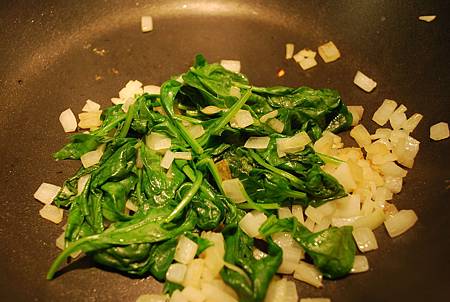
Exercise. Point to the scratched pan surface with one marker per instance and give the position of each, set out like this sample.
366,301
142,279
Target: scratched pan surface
56,54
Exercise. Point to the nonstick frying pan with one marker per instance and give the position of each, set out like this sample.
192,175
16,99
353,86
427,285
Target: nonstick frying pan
56,54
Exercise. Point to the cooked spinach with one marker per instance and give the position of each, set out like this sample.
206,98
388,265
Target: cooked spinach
189,197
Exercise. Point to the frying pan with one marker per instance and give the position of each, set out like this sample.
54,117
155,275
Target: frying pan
56,54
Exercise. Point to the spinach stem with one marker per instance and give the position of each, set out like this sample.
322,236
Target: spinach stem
126,126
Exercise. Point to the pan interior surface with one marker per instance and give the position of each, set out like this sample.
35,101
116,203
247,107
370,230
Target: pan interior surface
60,53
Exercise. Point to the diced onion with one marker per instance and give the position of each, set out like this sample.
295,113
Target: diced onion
391,169
372,220
51,213
92,157
194,272
151,298
427,18
411,123
213,255
381,116
304,54
90,119
152,89
360,264
254,142
216,294
400,222
167,159
131,89
91,106
329,52
146,24
231,65
46,193
365,239
398,117
348,206
381,133
344,175
131,206
364,82
297,212
117,101
293,144
406,150
289,50
193,294
186,155
267,116
307,63
196,131
233,189
284,212
177,296
176,273
281,290
315,300
361,135
235,91
308,273
82,181
251,222
185,250
242,119
439,131
357,113
157,141
276,125
258,254
68,120
211,110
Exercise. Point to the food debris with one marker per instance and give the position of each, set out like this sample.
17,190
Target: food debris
281,73
101,52
429,18
98,77
114,71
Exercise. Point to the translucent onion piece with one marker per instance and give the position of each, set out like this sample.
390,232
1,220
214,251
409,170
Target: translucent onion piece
213,255
439,131
46,193
235,91
284,212
360,265
193,294
348,206
51,213
365,239
233,189
381,116
289,50
364,82
215,294
267,116
371,220
297,212
92,157
276,125
185,250
194,272
157,141
231,65
344,175
254,142
250,223
82,183
196,131
176,273
131,89
90,119
151,298
429,18
242,119
146,24
68,120
400,222
398,117
361,135
411,123
177,296
308,273
357,113
167,159
293,144
152,89
307,63
211,110
186,155
329,52
91,106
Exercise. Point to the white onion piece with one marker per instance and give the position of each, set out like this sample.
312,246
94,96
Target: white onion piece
152,89
242,119
411,123
215,294
176,273
196,131
157,141
348,206
314,214
213,255
186,155
233,189
117,101
398,117
364,82
90,119
429,18
357,113
381,116
393,183
400,222
82,181
329,52
365,239
307,63
293,144
51,213
258,254
146,24
439,131
284,212
131,206
235,91
185,250
360,264
92,158
91,106
276,125
361,135
46,193
194,272
289,50
177,296
193,294
315,300
308,273
68,120
371,220
254,142
231,65
281,290
391,169
211,110
131,89
309,224
250,223
304,54
342,221
406,150
267,116
381,133
151,298
167,159
344,175
297,212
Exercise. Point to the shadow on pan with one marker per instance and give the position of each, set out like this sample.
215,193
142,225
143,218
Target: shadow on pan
56,54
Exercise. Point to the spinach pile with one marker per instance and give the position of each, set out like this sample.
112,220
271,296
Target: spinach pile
189,197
